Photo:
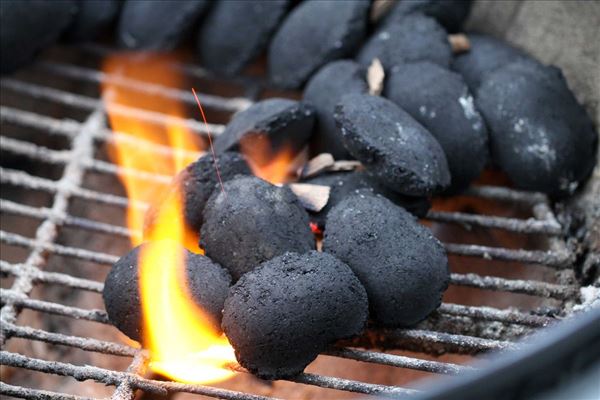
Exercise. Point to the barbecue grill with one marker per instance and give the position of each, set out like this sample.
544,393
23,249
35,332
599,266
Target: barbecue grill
63,226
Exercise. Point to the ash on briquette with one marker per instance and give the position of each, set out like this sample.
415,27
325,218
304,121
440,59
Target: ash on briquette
440,100
234,33
284,122
280,316
253,221
486,54
539,133
395,149
198,181
403,267
344,184
27,27
412,38
207,282
313,34
159,25
323,92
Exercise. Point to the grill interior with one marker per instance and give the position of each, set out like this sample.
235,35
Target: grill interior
63,226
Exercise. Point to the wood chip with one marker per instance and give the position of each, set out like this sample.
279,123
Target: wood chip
312,197
316,165
459,43
324,162
346,165
375,77
380,8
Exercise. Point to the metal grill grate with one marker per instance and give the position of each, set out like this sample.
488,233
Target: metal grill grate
454,328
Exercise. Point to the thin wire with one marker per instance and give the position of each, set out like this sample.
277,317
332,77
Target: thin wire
212,149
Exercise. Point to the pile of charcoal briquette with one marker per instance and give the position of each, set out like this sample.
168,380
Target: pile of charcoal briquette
438,117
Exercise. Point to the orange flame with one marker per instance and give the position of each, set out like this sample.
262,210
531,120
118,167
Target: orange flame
182,344
273,165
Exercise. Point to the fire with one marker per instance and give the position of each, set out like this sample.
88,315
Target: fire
273,165
182,345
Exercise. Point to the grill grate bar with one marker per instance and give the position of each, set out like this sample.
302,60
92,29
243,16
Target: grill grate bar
472,343
530,225
146,88
35,394
494,314
13,208
398,361
69,128
560,258
86,343
159,387
51,277
534,288
54,308
82,254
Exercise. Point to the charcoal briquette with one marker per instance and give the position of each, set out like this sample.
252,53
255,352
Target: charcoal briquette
92,18
451,14
486,54
313,34
284,123
207,282
252,221
395,149
158,25
440,100
540,135
29,26
412,38
280,316
234,33
323,92
344,184
198,181
402,266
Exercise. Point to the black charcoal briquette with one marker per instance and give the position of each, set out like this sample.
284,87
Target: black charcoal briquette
234,33
207,282
158,25
280,316
198,181
252,221
344,184
451,14
284,123
395,149
401,265
440,100
92,18
539,133
29,26
323,92
486,54
412,38
315,33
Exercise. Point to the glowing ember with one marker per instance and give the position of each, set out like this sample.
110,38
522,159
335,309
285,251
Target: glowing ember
182,344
